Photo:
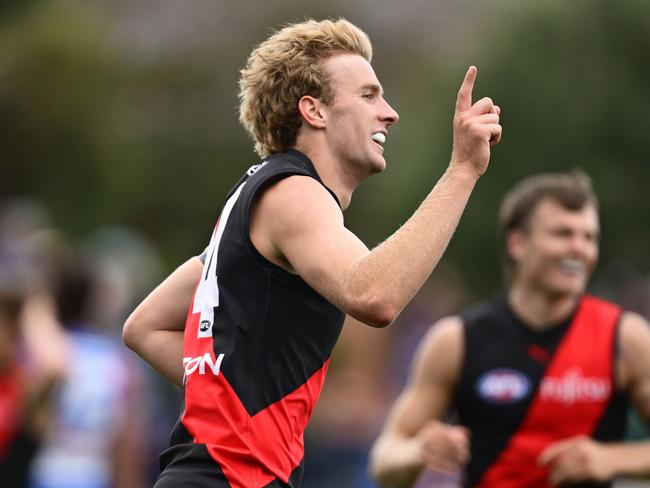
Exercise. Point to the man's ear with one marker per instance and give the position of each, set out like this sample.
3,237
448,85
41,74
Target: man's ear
311,110
516,244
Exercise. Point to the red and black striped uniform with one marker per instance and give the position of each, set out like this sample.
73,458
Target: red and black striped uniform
257,346
522,390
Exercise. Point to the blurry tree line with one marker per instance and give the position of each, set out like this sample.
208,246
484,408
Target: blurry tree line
124,112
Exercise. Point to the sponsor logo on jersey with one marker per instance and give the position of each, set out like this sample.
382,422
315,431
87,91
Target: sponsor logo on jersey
573,387
191,365
503,386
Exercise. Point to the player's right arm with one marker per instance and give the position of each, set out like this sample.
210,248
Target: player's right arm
414,437
155,328
297,224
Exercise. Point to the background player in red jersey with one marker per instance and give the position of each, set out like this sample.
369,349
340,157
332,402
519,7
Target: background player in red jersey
316,110
539,380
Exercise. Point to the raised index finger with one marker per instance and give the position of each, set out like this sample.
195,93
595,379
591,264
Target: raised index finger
464,101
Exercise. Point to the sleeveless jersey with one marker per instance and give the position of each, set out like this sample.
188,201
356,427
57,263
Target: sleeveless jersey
522,390
257,344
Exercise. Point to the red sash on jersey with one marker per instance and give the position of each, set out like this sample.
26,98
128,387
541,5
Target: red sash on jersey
570,399
251,451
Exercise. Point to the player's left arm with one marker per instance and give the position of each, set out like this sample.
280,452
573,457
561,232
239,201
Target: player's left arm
582,458
154,330
635,356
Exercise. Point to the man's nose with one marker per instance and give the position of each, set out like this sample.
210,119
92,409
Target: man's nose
389,115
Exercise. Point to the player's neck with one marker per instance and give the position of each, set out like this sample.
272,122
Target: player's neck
330,172
540,311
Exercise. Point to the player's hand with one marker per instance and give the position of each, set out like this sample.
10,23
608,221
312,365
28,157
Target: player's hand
443,447
476,128
576,459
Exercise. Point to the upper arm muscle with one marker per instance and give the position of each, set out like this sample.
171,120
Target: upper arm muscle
297,224
434,375
166,306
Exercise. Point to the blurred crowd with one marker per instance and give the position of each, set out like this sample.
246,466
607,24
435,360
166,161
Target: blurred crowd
78,410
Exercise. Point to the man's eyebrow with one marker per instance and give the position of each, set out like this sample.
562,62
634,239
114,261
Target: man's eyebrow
373,87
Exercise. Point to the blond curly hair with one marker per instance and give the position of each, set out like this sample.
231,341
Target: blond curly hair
286,67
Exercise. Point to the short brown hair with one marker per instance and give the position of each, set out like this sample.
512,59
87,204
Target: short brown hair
571,190
286,67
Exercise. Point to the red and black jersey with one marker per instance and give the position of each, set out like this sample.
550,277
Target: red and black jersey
256,350
522,390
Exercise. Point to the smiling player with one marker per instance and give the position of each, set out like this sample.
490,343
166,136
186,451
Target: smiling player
281,270
539,379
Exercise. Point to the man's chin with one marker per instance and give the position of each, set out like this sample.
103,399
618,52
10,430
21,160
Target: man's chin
379,165
568,290
368,167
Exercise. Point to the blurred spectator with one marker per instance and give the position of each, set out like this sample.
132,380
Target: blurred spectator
93,437
90,441
24,395
124,267
31,346
25,225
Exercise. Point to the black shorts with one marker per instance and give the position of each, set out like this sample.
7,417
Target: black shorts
185,466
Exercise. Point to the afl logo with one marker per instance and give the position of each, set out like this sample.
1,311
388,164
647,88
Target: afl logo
503,386
205,325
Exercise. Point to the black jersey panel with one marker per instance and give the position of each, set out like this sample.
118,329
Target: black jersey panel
498,344
179,434
190,466
281,166
274,329
294,479
505,363
256,347
612,426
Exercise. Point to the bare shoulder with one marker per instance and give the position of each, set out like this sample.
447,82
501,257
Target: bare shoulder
634,333
301,194
440,353
446,332
291,212
634,349
634,326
